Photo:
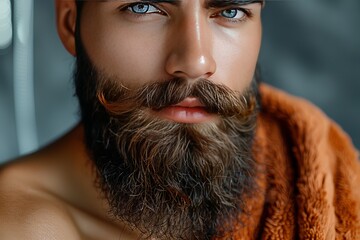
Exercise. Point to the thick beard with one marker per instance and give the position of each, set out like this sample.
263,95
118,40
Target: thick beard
169,180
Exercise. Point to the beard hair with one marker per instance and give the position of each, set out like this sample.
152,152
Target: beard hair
166,179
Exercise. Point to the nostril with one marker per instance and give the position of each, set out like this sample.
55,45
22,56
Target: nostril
192,67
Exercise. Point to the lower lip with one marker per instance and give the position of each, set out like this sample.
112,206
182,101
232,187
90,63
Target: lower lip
185,114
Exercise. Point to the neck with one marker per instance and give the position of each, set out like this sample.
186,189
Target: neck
83,193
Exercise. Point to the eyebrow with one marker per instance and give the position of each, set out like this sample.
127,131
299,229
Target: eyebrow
225,3
174,2
208,4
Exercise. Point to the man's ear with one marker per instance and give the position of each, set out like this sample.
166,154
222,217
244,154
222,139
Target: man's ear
66,23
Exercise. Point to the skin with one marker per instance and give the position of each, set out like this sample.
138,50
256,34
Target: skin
50,194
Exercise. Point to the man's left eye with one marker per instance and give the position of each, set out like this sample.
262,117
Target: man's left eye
142,8
232,13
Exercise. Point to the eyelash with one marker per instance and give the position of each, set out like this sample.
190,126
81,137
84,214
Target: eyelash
138,15
248,13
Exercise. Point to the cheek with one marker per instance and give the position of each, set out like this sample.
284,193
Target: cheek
128,54
236,57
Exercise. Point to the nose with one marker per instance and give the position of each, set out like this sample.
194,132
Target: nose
190,54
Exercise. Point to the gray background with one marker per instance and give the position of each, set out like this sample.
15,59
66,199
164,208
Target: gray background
311,48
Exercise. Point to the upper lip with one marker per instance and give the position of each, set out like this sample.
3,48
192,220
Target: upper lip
190,102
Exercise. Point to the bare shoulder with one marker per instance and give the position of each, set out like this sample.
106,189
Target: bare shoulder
50,195
27,209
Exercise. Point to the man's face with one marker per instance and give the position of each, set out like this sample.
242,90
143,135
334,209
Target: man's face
169,106
141,42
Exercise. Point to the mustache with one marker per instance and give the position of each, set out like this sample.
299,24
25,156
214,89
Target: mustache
216,98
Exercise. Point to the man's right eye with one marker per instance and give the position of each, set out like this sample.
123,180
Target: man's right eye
143,8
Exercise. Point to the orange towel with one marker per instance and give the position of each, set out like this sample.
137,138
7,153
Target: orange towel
308,175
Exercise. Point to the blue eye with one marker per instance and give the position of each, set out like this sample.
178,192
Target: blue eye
142,8
232,13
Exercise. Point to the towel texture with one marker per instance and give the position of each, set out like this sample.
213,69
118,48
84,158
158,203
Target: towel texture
308,175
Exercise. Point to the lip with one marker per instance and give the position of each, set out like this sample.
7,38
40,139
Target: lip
190,110
190,102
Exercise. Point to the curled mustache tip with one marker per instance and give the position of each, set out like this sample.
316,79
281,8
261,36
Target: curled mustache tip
215,98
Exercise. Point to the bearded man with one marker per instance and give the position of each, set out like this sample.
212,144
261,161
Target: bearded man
178,138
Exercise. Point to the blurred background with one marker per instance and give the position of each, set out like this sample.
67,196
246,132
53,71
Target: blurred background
310,49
